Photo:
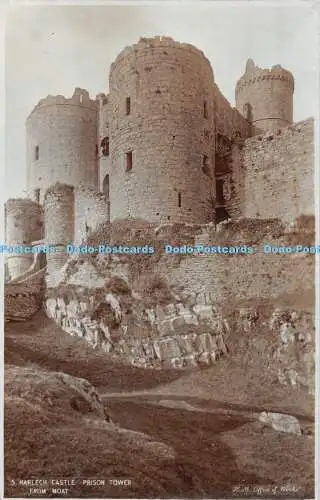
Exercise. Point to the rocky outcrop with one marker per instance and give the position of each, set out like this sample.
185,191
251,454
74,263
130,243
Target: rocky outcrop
295,353
280,341
281,422
183,311
52,391
175,335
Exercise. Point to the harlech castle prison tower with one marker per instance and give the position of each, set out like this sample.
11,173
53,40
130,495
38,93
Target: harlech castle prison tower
164,146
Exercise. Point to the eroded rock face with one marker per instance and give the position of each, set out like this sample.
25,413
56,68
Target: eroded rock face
283,340
184,329
174,335
295,353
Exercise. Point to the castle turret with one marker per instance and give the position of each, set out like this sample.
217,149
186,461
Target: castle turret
161,127
23,225
59,223
62,143
265,97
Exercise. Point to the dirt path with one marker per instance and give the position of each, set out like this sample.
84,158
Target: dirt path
191,404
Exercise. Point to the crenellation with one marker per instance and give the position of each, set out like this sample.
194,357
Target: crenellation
79,98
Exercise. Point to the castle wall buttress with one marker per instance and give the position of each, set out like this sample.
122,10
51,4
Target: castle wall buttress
91,210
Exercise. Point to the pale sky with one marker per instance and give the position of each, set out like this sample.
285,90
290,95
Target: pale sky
53,49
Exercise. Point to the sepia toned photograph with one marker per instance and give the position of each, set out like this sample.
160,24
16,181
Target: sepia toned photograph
160,250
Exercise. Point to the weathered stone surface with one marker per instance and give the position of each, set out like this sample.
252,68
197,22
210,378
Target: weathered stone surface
281,422
204,312
165,327
73,308
51,306
115,306
87,276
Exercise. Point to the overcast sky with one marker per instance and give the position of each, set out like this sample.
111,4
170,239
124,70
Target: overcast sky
53,49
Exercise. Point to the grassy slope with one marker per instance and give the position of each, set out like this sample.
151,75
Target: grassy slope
211,450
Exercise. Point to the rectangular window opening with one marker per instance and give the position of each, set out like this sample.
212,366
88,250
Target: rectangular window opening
179,200
128,106
129,161
205,165
205,109
105,146
205,160
36,153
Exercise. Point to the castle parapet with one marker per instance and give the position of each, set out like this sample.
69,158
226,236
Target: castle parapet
256,74
80,97
156,43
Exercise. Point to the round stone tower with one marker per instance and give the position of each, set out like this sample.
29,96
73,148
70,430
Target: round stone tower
23,225
59,223
62,143
265,97
161,133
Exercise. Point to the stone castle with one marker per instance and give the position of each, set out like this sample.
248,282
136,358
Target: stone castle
164,146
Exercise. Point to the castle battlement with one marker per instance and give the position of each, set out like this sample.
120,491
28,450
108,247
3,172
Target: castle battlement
257,75
80,97
156,44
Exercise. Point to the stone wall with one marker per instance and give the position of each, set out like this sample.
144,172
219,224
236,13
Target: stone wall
228,120
169,129
236,277
62,142
278,173
270,175
91,210
265,97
